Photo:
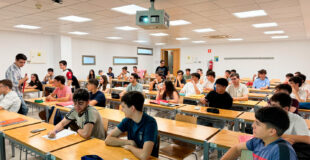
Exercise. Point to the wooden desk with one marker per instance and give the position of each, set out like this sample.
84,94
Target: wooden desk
119,81
93,147
38,144
308,123
260,96
262,104
6,115
32,90
266,91
304,112
245,104
114,116
195,97
226,139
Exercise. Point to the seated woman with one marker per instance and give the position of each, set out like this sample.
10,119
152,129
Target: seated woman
35,83
104,85
168,92
91,75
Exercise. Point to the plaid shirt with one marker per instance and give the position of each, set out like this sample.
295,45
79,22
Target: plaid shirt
13,73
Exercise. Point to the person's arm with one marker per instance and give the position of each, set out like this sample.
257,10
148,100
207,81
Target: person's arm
64,99
93,102
143,153
59,127
113,140
159,95
234,152
297,96
86,131
243,98
296,138
175,99
197,91
254,76
152,84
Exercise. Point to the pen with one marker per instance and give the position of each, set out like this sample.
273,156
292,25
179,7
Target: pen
34,135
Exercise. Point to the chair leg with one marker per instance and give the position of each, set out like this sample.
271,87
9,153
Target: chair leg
13,149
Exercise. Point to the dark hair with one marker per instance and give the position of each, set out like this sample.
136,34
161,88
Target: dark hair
297,73
289,75
196,75
211,73
91,76
233,70
100,71
280,122
37,77
284,100
161,61
286,87
134,98
234,75
222,82
134,67
105,82
81,95
20,56
50,70
135,76
296,79
169,90
180,71
199,69
63,62
262,71
94,82
111,68
303,77
7,82
61,79
125,68
160,73
228,71
188,69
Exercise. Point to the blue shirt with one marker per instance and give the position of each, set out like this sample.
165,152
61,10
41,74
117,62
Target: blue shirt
277,150
145,130
99,97
258,83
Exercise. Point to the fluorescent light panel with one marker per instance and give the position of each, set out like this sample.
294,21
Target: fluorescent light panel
179,22
160,44
140,41
75,19
274,32
235,39
279,37
78,33
182,38
159,34
126,28
249,14
113,37
129,9
202,30
199,41
265,25
23,26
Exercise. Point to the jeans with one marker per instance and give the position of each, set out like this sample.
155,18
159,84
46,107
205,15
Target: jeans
23,108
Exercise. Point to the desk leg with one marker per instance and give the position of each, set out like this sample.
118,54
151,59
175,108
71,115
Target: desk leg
236,126
206,147
46,113
2,145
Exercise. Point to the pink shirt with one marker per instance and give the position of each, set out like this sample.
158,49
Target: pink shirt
63,92
141,73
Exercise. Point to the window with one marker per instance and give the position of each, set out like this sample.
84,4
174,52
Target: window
125,60
145,51
89,60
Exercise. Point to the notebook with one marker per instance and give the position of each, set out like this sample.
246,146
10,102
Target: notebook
12,121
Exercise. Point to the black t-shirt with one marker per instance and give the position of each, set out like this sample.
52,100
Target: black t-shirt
111,74
182,82
164,69
99,97
75,82
223,101
38,84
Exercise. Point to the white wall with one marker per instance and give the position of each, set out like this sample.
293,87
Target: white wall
289,56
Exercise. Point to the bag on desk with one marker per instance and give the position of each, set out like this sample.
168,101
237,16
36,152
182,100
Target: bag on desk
91,157
115,96
213,110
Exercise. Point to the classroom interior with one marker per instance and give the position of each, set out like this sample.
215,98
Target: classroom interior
200,31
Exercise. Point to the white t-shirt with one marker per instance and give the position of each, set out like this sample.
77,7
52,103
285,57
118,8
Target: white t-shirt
305,87
189,89
239,91
302,94
10,102
297,126
208,84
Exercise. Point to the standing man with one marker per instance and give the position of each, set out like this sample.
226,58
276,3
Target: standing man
66,72
14,74
163,68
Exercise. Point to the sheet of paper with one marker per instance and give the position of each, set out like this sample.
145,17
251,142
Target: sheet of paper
61,134
70,106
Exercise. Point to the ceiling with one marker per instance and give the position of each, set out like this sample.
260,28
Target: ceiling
292,16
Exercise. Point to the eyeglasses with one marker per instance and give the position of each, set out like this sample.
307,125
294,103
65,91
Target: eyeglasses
234,79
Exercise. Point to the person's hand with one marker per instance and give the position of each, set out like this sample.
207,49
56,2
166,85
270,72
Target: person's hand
35,86
203,100
52,134
254,75
127,147
132,143
289,140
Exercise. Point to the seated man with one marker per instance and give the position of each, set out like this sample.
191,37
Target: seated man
124,74
133,85
86,117
141,128
227,75
297,92
262,82
287,89
187,75
157,83
298,129
179,81
97,98
62,93
9,99
267,142
48,79
237,90
192,87
209,84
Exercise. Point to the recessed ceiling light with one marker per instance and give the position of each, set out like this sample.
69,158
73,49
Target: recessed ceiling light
23,26
199,41
75,19
129,9
160,44
126,28
249,14
182,38
113,37
204,30
235,39
140,41
279,37
274,32
78,33
179,22
159,34
265,25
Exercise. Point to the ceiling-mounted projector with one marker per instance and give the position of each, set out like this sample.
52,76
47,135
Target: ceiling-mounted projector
152,19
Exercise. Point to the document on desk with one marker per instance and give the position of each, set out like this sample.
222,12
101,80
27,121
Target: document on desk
61,134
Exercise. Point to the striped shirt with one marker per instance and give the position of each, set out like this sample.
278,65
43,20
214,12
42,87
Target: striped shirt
14,74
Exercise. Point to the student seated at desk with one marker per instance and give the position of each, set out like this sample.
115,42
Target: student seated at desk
97,98
133,85
237,90
209,84
298,130
157,83
141,128
104,85
227,75
48,79
304,86
267,142
9,99
288,76
110,74
192,87
287,89
179,81
187,75
86,117
262,82
91,75
140,72
124,74
168,92
299,94
62,93
34,83
202,78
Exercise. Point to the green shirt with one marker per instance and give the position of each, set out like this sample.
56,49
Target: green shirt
91,115
187,77
138,87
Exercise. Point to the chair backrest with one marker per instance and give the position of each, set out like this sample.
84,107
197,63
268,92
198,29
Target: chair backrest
105,126
185,118
52,117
